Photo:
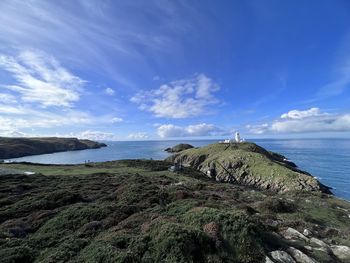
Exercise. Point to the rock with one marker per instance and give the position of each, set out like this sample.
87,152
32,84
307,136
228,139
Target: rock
291,233
317,242
179,147
306,232
341,252
308,248
268,260
299,256
280,256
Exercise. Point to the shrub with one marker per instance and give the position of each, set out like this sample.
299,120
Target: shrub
276,205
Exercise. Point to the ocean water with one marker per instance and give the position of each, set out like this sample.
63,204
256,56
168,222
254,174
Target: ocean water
327,159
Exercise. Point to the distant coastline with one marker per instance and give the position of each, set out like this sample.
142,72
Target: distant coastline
20,147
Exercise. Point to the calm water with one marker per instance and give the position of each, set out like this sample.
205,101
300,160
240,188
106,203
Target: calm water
329,160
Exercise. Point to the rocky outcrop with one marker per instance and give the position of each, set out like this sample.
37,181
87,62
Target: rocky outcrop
280,256
342,252
313,246
248,164
19,147
179,147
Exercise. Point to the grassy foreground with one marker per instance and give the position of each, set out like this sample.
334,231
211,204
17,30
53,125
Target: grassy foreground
138,211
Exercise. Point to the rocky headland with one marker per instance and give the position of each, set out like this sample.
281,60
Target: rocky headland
248,164
19,147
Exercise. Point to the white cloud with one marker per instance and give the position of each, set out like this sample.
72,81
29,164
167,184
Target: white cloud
24,118
88,134
179,99
170,130
202,129
116,120
301,114
138,136
13,133
96,135
42,96
311,120
39,78
258,128
109,91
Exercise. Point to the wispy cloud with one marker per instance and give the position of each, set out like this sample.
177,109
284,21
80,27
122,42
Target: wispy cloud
7,98
300,121
95,135
109,91
42,95
88,32
179,99
340,72
138,136
202,129
41,79
340,83
116,120
23,118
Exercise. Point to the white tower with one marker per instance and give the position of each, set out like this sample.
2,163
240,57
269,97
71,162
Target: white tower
237,137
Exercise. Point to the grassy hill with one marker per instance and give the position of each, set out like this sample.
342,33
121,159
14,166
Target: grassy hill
249,164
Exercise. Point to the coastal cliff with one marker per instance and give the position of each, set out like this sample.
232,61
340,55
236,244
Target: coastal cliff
19,147
248,164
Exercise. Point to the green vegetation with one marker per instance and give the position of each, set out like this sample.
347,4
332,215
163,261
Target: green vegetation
138,211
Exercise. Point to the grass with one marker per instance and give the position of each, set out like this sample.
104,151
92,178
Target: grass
138,211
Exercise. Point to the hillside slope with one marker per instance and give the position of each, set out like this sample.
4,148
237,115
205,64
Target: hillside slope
19,147
138,211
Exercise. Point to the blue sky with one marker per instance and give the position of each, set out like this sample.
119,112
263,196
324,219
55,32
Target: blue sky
134,70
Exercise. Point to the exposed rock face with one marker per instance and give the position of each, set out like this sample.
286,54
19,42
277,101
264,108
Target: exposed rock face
299,256
178,148
268,260
249,164
342,252
280,256
19,147
291,233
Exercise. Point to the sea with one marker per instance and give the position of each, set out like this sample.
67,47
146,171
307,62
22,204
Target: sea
326,159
